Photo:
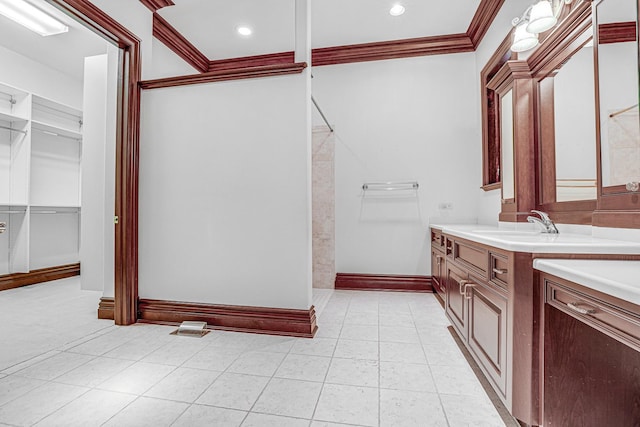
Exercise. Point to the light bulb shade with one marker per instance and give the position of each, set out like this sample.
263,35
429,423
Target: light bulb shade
541,18
523,39
31,17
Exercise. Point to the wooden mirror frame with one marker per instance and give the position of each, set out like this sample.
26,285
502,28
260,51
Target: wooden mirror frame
515,75
615,208
560,45
491,144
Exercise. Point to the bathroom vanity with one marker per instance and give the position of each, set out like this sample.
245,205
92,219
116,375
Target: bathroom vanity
591,342
515,317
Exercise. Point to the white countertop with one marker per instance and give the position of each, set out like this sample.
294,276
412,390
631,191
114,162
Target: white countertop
620,279
536,242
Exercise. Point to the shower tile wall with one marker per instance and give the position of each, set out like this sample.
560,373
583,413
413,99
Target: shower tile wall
323,194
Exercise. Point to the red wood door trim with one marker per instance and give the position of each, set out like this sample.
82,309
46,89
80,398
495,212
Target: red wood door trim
127,152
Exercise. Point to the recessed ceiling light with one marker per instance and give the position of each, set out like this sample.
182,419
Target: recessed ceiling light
397,10
244,31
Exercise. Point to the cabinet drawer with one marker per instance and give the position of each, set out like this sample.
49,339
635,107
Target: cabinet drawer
474,257
499,269
618,323
437,239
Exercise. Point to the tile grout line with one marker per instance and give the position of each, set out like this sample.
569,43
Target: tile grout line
324,381
214,381
446,418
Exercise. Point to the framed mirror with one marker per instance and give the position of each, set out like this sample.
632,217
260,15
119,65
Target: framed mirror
566,128
618,122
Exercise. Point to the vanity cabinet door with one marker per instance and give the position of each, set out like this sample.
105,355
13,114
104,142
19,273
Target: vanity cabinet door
456,305
437,269
487,308
591,357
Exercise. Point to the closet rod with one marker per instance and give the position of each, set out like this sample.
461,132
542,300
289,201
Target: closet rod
624,110
46,132
321,113
12,129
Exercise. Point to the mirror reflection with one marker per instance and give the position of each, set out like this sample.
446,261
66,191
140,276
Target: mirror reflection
574,125
617,55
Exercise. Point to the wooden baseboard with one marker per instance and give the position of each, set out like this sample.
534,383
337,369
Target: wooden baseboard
107,308
378,282
264,320
41,275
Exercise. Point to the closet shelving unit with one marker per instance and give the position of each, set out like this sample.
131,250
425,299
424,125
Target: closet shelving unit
40,158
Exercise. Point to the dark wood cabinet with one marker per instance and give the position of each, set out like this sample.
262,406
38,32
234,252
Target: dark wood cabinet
437,272
456,306
487,334
438,261
478,308
591,358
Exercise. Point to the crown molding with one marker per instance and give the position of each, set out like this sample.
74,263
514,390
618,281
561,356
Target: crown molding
182,47
253,61
223,75
436,45
155,5
484,16
433,45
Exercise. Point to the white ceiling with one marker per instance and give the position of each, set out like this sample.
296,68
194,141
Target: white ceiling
64,52
211,26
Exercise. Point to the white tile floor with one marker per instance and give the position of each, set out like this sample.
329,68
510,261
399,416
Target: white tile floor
379,359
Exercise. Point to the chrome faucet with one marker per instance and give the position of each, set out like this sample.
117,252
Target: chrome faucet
544,222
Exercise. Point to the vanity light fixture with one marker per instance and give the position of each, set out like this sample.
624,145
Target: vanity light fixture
397,10
523,40
536,19
244,31
31,17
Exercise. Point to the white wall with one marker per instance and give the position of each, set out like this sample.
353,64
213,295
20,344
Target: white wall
225,211
98,186
165,63
26,74
411,119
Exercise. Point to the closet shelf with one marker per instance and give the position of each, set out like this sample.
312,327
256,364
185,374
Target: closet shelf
50,209
57,107
8,208
56,130
12,118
